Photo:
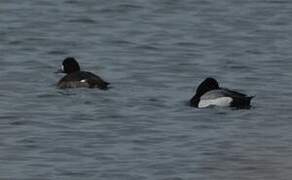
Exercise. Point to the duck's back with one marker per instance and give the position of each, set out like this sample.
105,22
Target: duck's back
239,100
82,79
225,97
213,94
215,97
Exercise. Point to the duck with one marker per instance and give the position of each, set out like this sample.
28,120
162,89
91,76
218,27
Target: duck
76,78
209,94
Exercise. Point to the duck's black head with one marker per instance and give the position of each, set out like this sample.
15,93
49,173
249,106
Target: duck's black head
207,85
70,65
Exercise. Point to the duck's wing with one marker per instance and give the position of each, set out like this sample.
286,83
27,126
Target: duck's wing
223,92
232,93
71,81
225,97
240,100
216,97
93,80
82,79
213,94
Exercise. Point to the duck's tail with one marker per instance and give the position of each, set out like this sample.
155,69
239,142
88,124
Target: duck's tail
250,98
248,101
104,85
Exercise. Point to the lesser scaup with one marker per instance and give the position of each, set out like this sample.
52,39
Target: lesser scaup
210,94
75,78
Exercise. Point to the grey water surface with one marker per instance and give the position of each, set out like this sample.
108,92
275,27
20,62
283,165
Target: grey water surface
154,53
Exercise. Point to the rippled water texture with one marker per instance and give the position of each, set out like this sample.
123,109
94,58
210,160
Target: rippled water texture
154,53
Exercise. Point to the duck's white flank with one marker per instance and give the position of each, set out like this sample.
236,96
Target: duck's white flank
221,101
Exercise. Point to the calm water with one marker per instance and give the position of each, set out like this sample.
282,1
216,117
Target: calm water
154,53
